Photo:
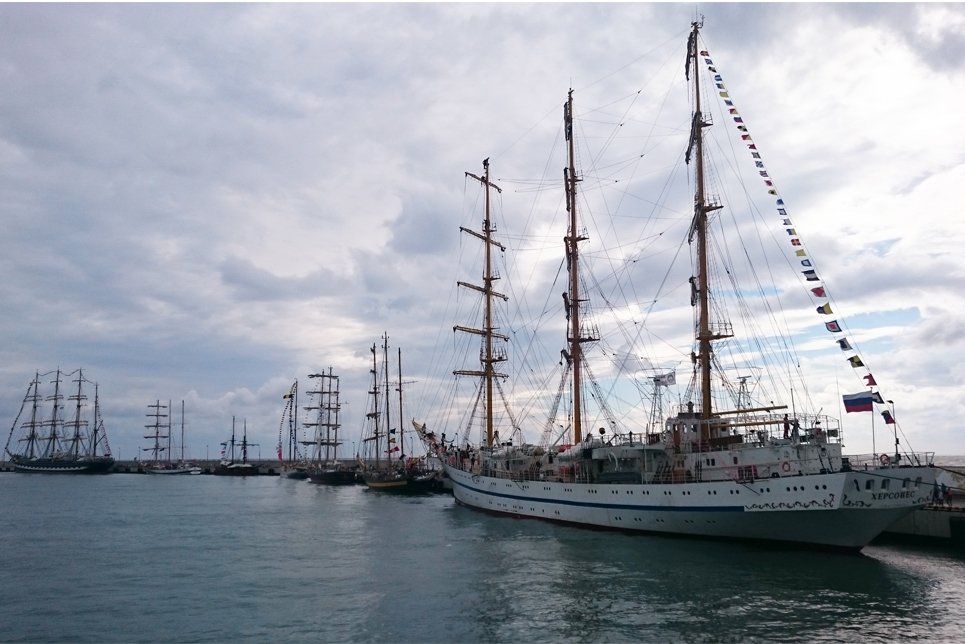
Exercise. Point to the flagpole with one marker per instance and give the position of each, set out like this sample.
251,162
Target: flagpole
874,450
894,421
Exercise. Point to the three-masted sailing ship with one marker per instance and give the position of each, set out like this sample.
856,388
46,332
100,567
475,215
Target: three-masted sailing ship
53,440
324,466
386,466
231,464
162,450
725,464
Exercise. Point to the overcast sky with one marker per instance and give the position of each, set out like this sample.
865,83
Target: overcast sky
205,202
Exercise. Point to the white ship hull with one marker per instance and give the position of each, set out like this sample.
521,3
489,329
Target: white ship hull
175,470
834,511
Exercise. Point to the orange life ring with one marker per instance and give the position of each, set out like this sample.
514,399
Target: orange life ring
884,459
786,466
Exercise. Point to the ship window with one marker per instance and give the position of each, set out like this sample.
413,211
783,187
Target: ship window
713,461
735,460
917,481
869,484
884,483
904,483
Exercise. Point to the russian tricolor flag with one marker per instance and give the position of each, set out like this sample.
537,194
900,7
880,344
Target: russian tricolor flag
858,402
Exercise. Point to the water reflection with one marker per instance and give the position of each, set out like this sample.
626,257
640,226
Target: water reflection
209,559
546,582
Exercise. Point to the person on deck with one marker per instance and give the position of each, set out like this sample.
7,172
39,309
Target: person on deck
787,426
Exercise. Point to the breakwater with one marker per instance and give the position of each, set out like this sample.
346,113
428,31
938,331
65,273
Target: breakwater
265,467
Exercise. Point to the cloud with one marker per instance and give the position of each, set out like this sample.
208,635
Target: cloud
208,201
943,330
253,283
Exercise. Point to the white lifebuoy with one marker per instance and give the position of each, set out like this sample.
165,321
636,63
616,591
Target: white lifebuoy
884,459
786,466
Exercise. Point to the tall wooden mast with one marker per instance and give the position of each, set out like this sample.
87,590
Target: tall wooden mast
489,357
53,437
336,407
572,303
79,399
170,413
374,414
401,425
701,210
33,438
388,397
97,417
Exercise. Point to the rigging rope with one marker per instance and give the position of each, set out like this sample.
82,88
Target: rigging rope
818,289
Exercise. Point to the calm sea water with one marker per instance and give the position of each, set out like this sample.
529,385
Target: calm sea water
125,558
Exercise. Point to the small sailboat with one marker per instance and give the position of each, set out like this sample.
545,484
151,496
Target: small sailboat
55,443
388,467
231,464
162,449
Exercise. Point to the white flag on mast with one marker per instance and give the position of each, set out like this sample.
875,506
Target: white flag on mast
666,379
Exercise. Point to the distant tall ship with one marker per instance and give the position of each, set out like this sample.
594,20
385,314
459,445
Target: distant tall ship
162,449
61,433
296,467
230,465
384,470
324,467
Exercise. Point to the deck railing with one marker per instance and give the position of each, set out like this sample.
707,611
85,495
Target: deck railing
907,459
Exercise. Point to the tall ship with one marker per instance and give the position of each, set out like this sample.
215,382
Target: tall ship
387,467
162,449
742,453
61,433
234,455
324,466
296,465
